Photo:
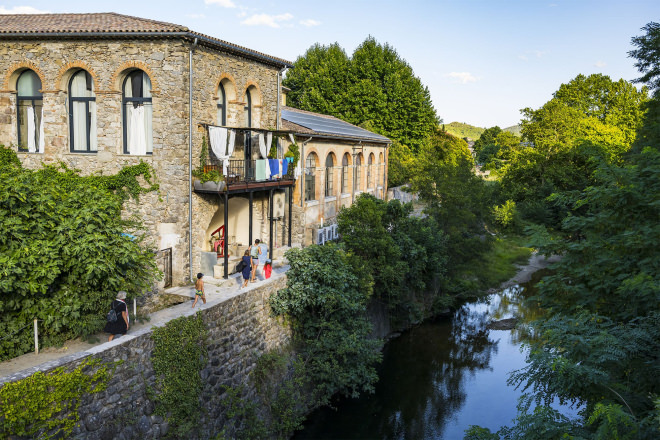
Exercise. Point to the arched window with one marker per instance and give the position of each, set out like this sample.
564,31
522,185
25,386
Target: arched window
248,108
370,174
310,176
137,114
358,173
222,105
329,172
344,173
82,113
30,104
381,170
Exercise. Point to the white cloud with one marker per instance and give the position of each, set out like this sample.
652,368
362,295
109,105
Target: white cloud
223,3
266,20
600,64
462,77
241,14
310,22
538,53
523,57
21,10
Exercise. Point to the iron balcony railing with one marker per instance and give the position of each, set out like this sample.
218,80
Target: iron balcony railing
242,171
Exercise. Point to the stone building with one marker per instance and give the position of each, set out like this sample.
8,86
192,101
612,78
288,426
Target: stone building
103,91
339,162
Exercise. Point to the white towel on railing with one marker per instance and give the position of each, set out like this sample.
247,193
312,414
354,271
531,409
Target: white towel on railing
230,145
218,140
292,139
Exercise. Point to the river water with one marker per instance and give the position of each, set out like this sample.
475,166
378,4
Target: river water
437,379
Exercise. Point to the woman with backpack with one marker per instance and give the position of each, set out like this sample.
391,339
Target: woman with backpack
121,323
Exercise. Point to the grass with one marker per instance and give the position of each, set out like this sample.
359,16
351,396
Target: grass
500,263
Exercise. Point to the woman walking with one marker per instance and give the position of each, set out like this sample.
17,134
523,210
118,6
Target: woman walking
120,326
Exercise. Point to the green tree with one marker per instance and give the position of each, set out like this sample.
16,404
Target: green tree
64,251
454,196
375,89
487,138
328,315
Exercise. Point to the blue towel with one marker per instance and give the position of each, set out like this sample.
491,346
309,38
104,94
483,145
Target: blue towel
274,167
285,167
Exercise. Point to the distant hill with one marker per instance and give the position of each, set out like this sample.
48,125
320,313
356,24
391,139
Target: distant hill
461,130
515,129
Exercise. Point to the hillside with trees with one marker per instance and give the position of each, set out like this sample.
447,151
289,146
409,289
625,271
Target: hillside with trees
463,130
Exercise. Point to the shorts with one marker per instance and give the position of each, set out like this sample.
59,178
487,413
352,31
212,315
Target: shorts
199,293
255,259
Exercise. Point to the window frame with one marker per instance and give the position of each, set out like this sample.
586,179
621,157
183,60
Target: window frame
344,173
125,100
32,99
222,105
88,117
329,175
310,176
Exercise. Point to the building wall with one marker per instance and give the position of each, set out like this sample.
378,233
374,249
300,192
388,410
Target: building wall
167,63
325,207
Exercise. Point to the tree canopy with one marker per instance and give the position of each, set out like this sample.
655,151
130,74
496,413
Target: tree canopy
375,89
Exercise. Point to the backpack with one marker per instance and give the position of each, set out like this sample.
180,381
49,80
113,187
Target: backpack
240,266
112,315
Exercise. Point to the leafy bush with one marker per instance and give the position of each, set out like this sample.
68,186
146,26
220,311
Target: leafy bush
506,215
65,251
328,315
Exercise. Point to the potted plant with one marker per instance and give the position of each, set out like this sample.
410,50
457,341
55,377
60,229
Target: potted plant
207,177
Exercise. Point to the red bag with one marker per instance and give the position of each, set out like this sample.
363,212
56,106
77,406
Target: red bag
268,268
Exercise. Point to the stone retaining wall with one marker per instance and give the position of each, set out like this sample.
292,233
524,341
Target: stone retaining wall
240,331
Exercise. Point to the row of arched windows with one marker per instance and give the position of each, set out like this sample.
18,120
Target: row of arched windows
310,174
137,112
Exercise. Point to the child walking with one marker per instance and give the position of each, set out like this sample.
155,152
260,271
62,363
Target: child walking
199,289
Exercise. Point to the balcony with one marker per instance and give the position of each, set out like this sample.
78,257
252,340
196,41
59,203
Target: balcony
245,175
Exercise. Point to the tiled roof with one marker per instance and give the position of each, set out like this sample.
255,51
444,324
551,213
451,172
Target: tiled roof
317,124
45,25
102,22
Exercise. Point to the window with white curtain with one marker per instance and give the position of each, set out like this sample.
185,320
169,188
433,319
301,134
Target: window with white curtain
82,113
29,101
137,114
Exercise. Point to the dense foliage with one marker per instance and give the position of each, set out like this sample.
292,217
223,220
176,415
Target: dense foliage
327,310
178,358
598,343
44,406
64,251
374,89
396,255
454,197
591,118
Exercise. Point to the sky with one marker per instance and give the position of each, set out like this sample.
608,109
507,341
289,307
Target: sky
482,60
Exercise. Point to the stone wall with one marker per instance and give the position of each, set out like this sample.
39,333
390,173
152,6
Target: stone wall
166,61
240,331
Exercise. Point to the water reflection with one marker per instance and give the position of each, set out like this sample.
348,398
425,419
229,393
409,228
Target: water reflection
431,380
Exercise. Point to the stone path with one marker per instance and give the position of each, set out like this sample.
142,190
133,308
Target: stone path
217,291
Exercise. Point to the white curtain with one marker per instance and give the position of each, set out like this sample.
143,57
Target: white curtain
31,129
139,123
218,140
41,133
137,142
262,146
79,118
230,146
292,139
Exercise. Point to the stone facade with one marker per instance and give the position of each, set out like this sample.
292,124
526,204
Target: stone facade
240,331
166,62
347,182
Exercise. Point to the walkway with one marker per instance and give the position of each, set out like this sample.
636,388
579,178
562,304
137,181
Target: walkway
217,291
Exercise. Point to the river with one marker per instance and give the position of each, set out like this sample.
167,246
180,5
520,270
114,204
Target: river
437,379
